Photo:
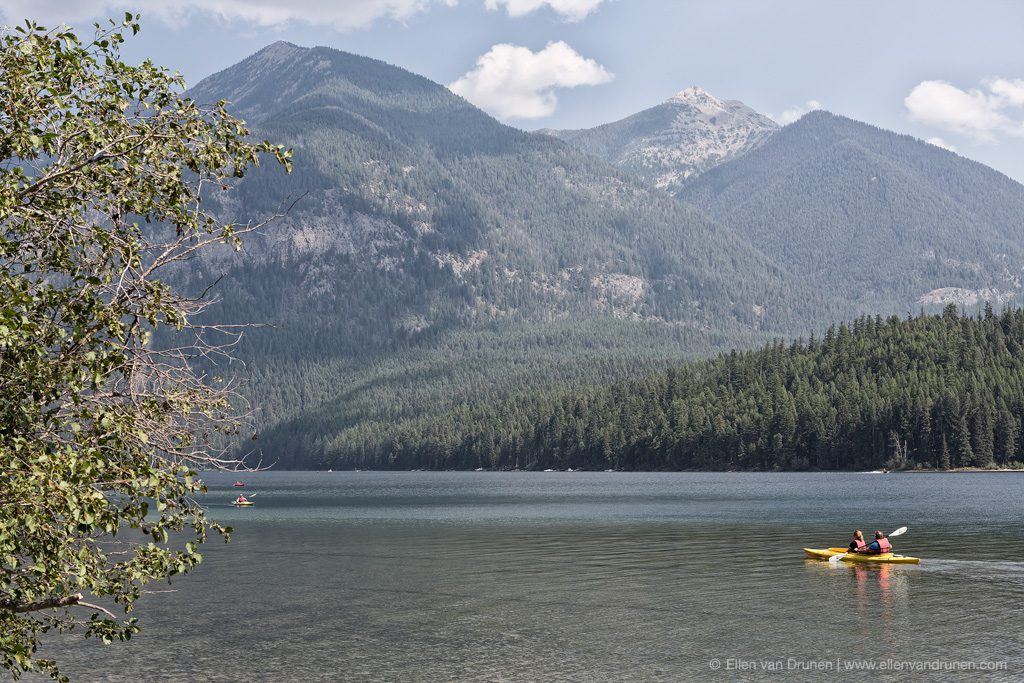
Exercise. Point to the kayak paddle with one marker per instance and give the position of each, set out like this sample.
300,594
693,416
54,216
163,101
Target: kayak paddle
899,532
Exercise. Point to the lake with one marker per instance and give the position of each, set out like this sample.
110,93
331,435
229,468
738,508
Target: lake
423,576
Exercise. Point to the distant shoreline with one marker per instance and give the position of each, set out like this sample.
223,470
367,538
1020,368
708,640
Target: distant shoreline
956,470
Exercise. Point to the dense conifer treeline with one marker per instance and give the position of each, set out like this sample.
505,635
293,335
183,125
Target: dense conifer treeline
310,407
932,391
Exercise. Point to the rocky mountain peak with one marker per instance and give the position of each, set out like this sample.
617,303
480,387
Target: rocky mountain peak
698,98
670,143
279,51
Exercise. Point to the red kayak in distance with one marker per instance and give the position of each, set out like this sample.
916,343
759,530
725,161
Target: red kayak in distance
239,483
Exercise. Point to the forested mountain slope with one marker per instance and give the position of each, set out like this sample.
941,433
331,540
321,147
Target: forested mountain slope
667,144
933,391
419,210
884,220
423,227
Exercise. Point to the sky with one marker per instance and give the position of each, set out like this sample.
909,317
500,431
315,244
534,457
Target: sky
946,71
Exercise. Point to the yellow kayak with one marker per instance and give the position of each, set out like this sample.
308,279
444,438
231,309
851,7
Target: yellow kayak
886,558
243,503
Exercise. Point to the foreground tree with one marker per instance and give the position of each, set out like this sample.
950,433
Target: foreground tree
102,429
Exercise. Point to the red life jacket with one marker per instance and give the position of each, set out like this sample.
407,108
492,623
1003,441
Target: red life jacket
883,545
860,543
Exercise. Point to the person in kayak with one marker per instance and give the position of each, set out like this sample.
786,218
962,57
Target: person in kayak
857,544
241,499
879,546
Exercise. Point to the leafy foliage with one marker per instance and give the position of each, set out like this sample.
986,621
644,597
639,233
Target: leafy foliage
100,429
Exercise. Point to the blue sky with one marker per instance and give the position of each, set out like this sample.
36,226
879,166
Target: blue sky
944,70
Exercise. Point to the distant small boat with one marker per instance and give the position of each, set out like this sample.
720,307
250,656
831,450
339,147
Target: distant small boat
330,470
479,469
239,483
550,470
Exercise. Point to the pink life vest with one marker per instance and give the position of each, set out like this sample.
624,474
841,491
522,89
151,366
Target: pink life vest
860,544
883,545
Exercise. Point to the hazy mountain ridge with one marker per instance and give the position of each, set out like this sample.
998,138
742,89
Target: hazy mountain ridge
396,170
285,76
670,143
885,220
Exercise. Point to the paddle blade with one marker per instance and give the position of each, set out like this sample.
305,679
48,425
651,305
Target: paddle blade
899,532
835,559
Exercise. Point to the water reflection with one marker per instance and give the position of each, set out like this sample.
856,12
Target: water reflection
882,590
878,594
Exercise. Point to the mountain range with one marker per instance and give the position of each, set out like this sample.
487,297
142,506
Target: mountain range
399,176
884,221
435,257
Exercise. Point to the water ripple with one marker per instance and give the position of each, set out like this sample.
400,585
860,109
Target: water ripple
583,577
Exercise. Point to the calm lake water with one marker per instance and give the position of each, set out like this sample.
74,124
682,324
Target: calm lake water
420,576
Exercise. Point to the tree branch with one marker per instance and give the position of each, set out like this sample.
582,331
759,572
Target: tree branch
13,605
82,603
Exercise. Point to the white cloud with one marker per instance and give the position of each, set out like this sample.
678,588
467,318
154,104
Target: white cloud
795,112
976,112
512,82
571,10
1009,91
346,14
939,142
